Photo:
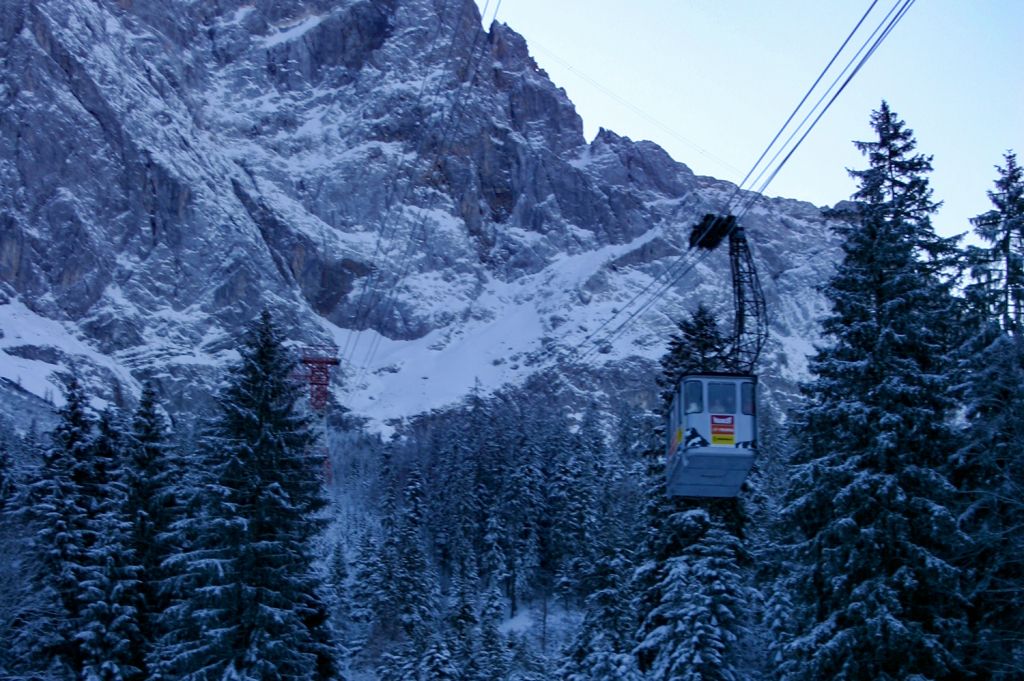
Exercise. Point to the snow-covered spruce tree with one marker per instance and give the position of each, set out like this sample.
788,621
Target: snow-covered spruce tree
989,468
581,502
339,600
527,662
7,485
406,600
694,610
250,606
150,478
397,665
455,509
768,538
112,642
492,659
63,520
374,602
573,522
602,649
436,663
678,533
80,621
698,543
998,268
698,345
395,587
13,541
877,589
513,525
413,578
462,622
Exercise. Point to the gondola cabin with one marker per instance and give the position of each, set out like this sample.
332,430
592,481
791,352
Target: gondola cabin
712,435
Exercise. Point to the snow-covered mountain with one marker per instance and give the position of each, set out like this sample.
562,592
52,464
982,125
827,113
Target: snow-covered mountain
385,175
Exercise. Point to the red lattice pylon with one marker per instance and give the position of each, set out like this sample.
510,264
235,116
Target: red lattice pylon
318,360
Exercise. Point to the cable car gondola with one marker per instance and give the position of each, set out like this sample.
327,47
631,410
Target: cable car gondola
712,433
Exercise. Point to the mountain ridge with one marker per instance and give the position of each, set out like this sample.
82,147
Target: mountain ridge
386,176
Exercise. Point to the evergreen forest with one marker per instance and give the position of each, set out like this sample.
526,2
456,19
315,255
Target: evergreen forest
515,536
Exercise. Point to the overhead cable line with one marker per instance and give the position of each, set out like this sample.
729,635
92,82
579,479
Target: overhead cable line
889,22
383,231
803,100
681,259
682,256
367,300
620,329
470,70
665,286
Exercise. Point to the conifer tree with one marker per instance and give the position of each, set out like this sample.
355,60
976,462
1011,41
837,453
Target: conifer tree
677,532
374,601
492,654
6,472
111,637
493,560
462,621
150,476
699,345
693,613
250,603
571,508
677,588
526,662
580,508
340,601
877,590
602,650
520,505
989,468
768,537
398,664
80,621
413,579
998,267
48,638
395,586
436,664
14,591
453,521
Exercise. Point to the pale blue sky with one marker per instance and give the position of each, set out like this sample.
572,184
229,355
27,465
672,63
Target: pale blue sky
712,80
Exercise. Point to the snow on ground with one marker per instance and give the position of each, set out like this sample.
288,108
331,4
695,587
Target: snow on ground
294,31
550,624
501,336
502,342
23,328
797,351
393,379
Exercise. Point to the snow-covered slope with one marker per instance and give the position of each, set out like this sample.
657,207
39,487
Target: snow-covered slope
383,174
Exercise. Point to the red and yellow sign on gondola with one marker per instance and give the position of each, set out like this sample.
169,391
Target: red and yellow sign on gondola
723,429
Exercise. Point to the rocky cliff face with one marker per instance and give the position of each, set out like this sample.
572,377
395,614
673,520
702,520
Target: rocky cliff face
383,174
